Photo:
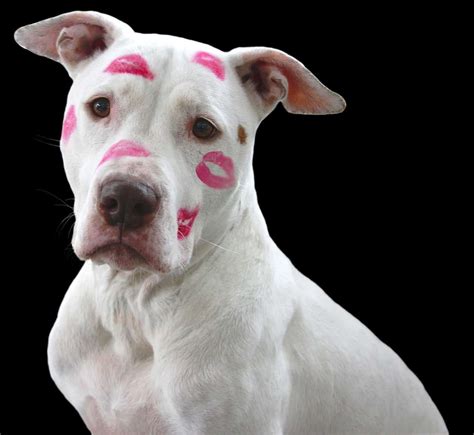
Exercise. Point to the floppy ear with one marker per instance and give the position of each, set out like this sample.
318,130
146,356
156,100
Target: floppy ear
73,39
270,76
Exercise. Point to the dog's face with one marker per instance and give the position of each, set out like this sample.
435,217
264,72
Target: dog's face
158,134
152,123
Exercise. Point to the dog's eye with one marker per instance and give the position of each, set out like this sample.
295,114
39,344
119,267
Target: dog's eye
204,129
100,107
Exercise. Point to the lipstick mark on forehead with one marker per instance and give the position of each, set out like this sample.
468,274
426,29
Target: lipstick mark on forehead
130,64
210,62
242,135
69,124
124,148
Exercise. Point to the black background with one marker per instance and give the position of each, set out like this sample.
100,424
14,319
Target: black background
378,186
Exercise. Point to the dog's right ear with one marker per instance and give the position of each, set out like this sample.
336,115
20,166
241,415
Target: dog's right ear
270,76
73,39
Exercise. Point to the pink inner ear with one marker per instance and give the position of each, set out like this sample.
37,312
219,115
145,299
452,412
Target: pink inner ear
211,62
130,64
69,124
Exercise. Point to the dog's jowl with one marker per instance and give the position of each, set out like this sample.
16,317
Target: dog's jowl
186,318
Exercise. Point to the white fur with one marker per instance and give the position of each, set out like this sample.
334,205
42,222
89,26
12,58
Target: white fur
222,334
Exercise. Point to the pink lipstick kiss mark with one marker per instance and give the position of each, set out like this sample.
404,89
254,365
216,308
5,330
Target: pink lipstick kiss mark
69,124
216,181
124,148
185,221
211,62
130,64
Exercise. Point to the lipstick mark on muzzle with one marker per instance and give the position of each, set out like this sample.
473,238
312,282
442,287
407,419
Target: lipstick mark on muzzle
124,148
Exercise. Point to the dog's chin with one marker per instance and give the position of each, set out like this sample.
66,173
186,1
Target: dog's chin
125,258
119,256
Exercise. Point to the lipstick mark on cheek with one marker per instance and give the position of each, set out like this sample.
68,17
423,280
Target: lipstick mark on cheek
210,62
186,219
69,124
216,181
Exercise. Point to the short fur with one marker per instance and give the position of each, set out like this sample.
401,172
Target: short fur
217,333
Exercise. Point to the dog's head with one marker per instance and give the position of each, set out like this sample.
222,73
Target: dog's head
158,133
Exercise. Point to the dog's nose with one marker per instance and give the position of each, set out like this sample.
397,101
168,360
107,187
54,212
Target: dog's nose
128,203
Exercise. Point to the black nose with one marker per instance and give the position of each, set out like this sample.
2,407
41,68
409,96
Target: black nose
127,203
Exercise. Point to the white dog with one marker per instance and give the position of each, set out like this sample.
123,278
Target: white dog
186,318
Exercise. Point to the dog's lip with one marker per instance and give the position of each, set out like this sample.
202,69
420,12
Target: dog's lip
111,245
141,259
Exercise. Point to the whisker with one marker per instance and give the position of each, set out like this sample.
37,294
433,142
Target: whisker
69,251
69,233
64,222
48,138
38,138
217,246
66,218
64,203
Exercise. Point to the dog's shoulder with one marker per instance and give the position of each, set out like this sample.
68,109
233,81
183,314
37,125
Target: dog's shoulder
77,328
353,371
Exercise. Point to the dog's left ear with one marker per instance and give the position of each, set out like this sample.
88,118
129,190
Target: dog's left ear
73,39
270,76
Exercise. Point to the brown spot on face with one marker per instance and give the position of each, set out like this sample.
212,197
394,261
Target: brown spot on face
242,134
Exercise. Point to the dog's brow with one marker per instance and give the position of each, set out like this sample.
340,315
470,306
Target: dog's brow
130,64
211,62
188,97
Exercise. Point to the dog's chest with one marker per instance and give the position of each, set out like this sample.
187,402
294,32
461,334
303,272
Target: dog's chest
114,393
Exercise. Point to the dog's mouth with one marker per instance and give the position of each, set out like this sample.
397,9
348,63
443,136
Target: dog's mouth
115,230
119,256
